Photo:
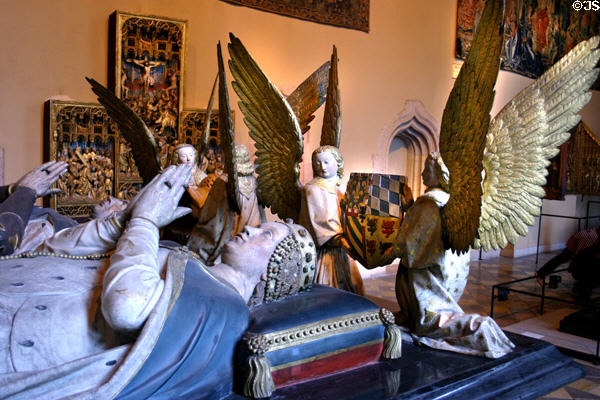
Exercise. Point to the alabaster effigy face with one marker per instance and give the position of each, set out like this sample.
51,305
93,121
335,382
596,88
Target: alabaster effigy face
250,250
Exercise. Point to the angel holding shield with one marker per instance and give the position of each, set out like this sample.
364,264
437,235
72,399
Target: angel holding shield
321,214
431,279
484,187
276,124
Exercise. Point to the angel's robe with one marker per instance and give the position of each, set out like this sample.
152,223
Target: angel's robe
431,280
217,222
321,215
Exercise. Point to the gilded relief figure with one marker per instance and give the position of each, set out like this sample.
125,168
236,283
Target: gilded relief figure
85,140
89,169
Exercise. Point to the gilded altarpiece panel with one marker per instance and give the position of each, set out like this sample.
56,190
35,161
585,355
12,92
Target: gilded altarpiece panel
82,135
583,161
146,70
575,169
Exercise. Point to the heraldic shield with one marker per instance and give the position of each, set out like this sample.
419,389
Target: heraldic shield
375,206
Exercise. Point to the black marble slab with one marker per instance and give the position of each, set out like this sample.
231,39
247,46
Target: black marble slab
533,369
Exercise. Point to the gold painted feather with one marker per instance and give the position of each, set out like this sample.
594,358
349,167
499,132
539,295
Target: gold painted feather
523,137
274,127
465,123
309,96
332,119
133,129
227,137
206,133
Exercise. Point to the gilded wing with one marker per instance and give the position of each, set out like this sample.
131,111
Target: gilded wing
522,139
133,129
332,119
465,123
309,96
274,128
227,138
206,133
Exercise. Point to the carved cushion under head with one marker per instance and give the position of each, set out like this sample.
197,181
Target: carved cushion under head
319,331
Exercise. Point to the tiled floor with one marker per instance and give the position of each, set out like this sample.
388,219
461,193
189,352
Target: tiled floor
517,308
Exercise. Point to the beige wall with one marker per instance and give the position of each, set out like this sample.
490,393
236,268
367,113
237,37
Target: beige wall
49,46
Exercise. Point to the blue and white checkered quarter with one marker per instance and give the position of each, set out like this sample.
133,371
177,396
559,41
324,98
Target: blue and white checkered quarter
384,197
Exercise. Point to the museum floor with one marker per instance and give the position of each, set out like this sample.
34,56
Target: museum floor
519,313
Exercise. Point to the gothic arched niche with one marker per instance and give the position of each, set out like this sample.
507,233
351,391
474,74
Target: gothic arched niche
405,143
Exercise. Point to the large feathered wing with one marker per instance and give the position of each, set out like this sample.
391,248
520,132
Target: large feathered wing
465,123
227,138
332,119
206,134
133,129
309,96
274,128
522,139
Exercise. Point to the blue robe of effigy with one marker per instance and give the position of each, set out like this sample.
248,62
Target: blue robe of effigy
193,357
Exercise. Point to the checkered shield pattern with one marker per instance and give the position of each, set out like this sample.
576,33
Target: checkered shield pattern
373,215
379,194
384,196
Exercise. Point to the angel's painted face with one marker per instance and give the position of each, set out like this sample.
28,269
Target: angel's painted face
186,155
325,165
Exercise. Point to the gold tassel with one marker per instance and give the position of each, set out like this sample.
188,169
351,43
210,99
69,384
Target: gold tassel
259,382
392,344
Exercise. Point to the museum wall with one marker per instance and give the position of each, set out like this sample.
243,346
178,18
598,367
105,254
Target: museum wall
49,46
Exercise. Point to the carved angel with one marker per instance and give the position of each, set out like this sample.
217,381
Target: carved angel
277,131
485,186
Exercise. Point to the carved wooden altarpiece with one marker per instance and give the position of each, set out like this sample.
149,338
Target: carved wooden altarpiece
192,125
575,169
146,70
82,135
